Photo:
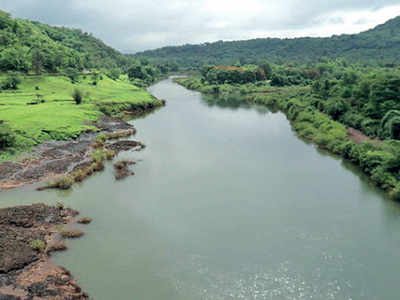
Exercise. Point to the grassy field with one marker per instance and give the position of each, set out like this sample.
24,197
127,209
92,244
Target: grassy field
59,117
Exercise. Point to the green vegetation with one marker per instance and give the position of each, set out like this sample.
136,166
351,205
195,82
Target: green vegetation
326,103
35,48
77,96
27,122
38,245
55,81
232,74
378,46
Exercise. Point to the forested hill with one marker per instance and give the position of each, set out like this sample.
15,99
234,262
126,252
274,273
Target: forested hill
380,45
32,46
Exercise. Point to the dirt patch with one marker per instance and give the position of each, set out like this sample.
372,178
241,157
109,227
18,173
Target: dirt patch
110,124
26,271
358,137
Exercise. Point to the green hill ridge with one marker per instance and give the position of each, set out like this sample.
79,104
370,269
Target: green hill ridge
380,45
32,46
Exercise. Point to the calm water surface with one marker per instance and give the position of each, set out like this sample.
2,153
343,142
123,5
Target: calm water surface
227,203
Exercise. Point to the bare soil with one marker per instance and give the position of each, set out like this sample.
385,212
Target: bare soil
358,137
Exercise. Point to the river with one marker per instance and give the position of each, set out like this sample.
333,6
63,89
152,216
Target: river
227,203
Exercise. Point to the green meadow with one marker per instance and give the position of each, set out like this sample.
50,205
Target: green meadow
43,107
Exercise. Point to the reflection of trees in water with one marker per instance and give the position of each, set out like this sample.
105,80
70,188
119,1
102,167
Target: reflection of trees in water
235,101
390,208
368,189
142,115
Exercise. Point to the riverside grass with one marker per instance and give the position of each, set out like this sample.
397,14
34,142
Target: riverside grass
59,117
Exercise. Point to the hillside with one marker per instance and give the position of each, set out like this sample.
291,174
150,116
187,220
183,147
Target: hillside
378,45
31,46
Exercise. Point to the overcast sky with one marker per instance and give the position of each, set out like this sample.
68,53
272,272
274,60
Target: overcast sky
132,25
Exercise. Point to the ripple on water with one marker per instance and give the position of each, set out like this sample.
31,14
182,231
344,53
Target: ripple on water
282,282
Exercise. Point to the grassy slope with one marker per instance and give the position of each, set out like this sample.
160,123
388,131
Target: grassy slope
59,117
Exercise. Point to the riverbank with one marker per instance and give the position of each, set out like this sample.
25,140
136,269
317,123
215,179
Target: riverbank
43,109
56,138
28,236
377,159
53,159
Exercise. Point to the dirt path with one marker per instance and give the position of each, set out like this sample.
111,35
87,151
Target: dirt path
358,137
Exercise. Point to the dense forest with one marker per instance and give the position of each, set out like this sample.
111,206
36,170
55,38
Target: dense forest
26,46
36,48
378,46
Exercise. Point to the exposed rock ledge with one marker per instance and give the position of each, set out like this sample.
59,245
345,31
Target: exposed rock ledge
28,234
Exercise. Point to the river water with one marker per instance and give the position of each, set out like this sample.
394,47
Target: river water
227,203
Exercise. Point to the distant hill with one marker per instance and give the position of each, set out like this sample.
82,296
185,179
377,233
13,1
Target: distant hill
378,45
32,46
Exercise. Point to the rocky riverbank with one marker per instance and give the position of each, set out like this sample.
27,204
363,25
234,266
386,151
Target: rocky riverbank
28,235
55,158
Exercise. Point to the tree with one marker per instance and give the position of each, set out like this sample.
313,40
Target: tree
72,74
37,60
136,71
266,67
114,73
77,95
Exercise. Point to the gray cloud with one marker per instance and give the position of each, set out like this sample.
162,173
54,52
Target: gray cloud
131,25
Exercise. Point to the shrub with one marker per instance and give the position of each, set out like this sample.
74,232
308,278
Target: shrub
7,136
79,175
77,96
114,74
97,166
11,82
99,141
98,155
383,178
109,154
64,183
72,74
37,245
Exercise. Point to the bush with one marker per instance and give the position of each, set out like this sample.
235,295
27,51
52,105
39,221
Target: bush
114,74
7,136
78,96
98,155
64,182
72,74
37,245
11,82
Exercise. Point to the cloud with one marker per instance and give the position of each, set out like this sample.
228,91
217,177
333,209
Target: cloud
132,25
